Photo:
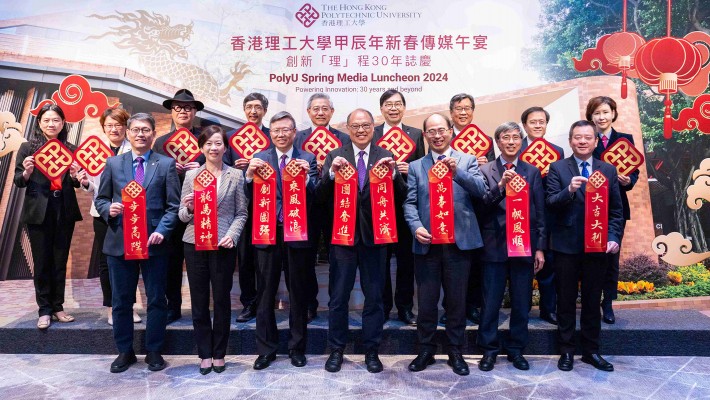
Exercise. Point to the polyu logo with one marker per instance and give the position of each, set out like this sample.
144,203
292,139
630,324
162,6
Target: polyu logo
307,15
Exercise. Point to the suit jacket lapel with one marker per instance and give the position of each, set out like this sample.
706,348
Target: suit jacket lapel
225,184
349,155
427,163
128,166
496,169
151,165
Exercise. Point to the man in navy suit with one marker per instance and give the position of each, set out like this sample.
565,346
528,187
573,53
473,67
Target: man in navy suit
157,175
443,264
320,110
288,256
364,255
393,106
498,267
565,198
535,120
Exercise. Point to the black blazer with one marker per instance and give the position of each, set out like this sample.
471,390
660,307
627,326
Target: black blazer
301,137
567,209
162,199
414,133
491,215
634,177
326,186
271,157
37,190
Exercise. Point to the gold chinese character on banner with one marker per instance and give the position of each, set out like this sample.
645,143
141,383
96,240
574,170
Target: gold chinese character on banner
517,214
295,213
344,216
518,227
264,216
265,189
264,203
264,230
205,197
345,189
294,199
517,241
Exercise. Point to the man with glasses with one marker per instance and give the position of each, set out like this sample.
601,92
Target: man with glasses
393,106
364,255
157,175
183,108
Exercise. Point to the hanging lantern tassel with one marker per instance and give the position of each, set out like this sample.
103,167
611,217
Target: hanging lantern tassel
668,84
624,66
668,118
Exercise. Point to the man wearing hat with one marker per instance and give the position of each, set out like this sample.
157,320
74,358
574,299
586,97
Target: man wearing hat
183,108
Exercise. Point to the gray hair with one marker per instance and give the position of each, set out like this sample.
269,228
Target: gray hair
461,97
316,96
507,127
144,117
283,115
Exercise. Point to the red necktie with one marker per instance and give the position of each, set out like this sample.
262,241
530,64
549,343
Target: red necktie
605,141
509,166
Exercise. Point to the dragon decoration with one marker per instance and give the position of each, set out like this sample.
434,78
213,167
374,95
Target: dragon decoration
162,51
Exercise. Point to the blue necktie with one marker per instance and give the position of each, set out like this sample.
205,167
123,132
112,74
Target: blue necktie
441,157
361,169
585,173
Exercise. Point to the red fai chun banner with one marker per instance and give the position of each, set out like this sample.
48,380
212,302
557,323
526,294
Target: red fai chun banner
384,225
293,199
135,222
399,143
623,155
540,154
441,204
206,233
53,159
182,146
517,217
320,143
471,140
249,140
596,213
345,206
92,155
264,202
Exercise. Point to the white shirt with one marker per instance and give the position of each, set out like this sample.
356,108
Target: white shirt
365,157
435,155
279,154
579,164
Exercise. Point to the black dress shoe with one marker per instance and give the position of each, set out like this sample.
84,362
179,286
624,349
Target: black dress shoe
608,314
264,361
173,316
442,320
474,316
486,363
219,369
566,362
373,363
155,361
248,313
596,361
423,360
408,317
458,364
123,361
298,359
519,361
549,317
205,371
335,361
311,315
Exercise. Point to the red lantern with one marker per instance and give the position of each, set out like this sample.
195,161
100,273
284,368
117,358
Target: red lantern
620,50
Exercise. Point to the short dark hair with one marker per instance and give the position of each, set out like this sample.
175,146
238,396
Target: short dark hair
256,96
460,97
347,120
389,93
526,114
283,115
208,132
507,127
145,117
449,123
579,124
595,102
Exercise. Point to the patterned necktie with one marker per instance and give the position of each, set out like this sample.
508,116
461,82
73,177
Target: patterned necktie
585,173
282,165
361,169
509,166
605,141
140,172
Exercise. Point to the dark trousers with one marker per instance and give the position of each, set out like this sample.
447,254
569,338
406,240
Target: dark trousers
213,269
320,224
611,281
124,281
344,263
100,227
473,285
546,285
50,242
247,266
173,288
495,276
271,260
444,265
590,268
404,291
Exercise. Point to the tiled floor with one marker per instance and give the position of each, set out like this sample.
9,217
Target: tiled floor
87,377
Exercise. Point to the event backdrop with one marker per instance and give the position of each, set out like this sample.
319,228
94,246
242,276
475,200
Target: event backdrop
508,54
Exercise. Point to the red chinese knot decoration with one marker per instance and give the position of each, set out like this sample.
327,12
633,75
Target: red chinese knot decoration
92,155
320,143
53,159
182,146
398,143
249,140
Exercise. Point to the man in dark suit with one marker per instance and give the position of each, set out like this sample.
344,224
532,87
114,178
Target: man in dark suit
602,112
443,264
364,255
183,108
535,120
157,175
393,106
255,107
320,222
498,267
565,197
292,257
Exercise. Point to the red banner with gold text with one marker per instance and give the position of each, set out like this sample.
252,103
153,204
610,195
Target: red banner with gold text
596,213
517,217
293,199
206,232
441,204
384,225
345,206
135,222
264,205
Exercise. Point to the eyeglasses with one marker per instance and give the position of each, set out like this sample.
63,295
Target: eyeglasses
186,108
514,138
254,108
319,109
397,105
459,109
282,131
145,131
110,127
440,131
356,127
